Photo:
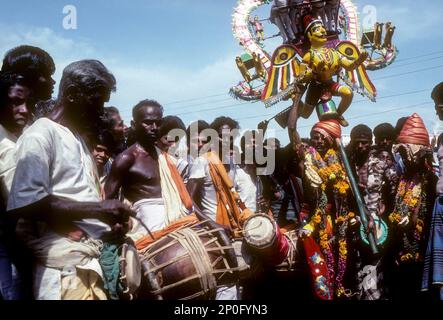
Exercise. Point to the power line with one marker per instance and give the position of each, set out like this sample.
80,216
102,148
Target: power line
414,62
224,93
419,56
370,115
357,101
409,72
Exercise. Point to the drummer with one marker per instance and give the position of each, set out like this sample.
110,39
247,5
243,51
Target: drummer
143,172
376,176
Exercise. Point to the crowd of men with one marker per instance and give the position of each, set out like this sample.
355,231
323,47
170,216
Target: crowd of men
74,178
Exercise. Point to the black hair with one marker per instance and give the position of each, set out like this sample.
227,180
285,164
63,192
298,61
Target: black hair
28,60
169,123
384,130
145,103
400,123
220,121
111,111
105,138
361,130
437,93
200,124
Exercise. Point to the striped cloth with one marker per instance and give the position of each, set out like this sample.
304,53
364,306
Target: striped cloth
433,268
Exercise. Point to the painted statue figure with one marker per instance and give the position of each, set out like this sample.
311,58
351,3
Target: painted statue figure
324,63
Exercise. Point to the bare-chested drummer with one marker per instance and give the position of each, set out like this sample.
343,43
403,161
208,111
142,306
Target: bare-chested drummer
146,176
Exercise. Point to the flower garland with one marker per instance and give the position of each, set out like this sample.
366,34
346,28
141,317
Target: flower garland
409,200
323,173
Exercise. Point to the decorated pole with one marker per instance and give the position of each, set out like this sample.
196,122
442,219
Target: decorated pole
356,192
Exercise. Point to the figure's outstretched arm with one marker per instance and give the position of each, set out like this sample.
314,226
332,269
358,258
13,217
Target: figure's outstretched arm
349,64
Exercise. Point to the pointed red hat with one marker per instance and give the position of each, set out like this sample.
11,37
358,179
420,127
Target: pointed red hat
309,21
414,131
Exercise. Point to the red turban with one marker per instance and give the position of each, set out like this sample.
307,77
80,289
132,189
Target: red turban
414,131
328,128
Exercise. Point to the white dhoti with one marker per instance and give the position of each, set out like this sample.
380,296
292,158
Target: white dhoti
152,212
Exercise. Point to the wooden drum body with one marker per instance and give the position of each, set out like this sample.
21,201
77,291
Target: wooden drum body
189,263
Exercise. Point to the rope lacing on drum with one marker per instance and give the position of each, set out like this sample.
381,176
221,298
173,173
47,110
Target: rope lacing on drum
200,258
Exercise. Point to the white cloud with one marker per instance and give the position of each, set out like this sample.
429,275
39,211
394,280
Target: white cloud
135,80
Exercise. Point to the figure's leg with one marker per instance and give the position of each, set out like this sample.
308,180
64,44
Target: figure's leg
346,95
312,96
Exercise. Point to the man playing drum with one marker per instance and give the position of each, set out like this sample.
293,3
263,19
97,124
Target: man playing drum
148,177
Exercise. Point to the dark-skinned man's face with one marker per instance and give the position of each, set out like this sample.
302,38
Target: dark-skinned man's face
361,146
384,143
101,154
44,87
439,109
18,111
119,128
147,123
87,108
226,140
319,142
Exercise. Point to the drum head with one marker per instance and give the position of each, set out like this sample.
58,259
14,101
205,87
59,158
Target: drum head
260,231
133,268
381,232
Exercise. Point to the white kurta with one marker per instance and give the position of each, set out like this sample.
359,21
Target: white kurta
52,160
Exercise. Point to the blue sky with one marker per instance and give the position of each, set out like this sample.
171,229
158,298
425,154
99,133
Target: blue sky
184,50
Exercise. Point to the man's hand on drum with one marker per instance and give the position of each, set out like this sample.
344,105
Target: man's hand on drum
117,214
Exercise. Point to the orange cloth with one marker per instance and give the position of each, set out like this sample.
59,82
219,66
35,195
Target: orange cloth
414,131
147,239
228,201
184,194
329,128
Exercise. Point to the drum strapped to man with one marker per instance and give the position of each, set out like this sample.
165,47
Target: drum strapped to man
130,269
293,260
263,237
189,263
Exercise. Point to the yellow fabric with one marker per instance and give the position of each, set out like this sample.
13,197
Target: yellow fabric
183,192
84,285
228,212
175,208
147,239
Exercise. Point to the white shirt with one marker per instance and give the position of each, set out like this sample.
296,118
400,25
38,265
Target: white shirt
199,169
7,161
245,187
52,160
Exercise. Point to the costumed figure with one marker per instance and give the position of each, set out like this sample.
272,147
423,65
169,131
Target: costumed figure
412,209
324,63
325,235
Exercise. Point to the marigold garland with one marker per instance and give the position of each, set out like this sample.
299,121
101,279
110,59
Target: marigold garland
328,172
410,198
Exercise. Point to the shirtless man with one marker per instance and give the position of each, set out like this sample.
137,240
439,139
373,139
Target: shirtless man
136,170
